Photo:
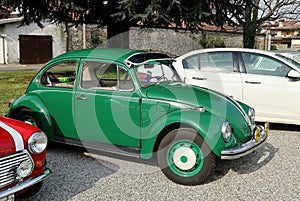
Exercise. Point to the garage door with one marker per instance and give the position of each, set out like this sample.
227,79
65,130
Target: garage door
35,49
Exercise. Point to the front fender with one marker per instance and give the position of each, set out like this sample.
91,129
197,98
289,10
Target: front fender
206,124
35,104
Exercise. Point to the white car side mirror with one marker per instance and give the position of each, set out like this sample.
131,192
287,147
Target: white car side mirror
294,74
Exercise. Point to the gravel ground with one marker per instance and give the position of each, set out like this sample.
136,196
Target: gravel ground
270,173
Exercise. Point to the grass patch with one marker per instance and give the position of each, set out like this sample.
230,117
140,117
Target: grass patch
13,85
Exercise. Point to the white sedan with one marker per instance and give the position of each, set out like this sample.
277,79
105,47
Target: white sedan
267,82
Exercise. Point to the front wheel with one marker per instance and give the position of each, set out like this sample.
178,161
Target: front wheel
184,157
29,117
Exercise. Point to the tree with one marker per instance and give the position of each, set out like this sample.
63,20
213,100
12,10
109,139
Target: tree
165,13
118,15
69,12
250,14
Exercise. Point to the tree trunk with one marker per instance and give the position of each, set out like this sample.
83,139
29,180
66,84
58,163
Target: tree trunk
249,33
250,25
118,34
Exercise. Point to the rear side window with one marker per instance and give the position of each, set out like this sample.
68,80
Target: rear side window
62,74
210,62
217,62
191,62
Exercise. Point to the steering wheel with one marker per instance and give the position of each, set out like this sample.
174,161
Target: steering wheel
161,78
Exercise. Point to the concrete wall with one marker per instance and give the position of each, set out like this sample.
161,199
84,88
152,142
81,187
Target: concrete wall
93,37
13,30
180,42
162,40
170,41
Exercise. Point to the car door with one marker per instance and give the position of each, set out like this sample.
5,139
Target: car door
107,105
214,70
57,92
267,88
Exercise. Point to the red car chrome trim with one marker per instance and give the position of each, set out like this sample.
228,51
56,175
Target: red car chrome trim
15,135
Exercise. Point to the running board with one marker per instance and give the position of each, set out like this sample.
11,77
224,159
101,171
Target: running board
114,149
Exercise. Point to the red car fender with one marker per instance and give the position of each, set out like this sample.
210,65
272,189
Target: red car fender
15,128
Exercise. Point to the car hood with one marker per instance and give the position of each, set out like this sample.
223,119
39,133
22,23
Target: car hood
10,141
216,103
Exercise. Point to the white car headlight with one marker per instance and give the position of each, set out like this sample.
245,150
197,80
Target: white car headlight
226,131
37,142
251,114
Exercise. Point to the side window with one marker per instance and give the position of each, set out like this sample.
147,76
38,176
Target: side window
263,65
191,62
125,81
217,62
62,74
105,76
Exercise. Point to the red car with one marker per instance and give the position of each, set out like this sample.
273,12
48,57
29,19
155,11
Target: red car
22,159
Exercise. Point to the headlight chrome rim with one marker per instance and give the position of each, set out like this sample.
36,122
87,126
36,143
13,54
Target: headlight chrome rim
226,131
251,114
37,142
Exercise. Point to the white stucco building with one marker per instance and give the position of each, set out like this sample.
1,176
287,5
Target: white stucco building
30,44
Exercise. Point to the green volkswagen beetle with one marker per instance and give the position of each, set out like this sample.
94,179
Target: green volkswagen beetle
133,102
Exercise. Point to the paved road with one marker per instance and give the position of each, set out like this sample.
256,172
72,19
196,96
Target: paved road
18,67
270,173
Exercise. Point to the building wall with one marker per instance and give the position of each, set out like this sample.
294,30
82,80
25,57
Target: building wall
170,41
296,44
13,30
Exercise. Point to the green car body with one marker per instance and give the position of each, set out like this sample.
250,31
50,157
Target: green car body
117,100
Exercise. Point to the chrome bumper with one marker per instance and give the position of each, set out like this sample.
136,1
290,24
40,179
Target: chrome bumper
246,148
25,184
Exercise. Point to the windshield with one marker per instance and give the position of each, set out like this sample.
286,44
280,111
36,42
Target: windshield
292,61
155,72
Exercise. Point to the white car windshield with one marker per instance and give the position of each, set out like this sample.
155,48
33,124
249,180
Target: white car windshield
292,61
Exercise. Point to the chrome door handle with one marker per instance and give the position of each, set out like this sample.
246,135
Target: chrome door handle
252,82
199,78
81,98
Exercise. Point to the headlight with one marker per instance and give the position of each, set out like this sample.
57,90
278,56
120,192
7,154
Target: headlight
226,131
251,114
24,169
37,142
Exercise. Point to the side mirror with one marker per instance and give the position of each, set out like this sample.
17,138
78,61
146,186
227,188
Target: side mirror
294,74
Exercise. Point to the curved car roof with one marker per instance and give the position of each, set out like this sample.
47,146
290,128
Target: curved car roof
226,50
105,53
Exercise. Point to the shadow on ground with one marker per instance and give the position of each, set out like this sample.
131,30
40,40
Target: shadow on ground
245,165
72,173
